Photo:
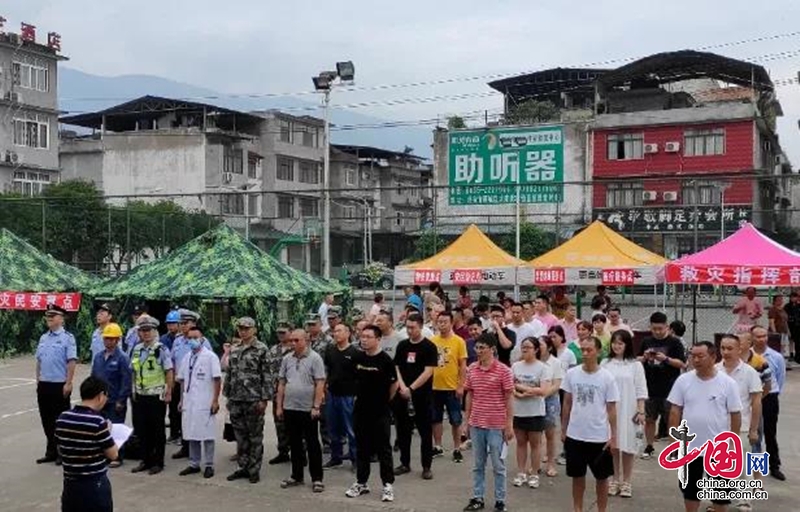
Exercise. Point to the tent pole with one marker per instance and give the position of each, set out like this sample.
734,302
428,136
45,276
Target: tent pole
694,314
516,283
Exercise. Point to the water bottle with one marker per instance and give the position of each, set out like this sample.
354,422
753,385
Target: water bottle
639,440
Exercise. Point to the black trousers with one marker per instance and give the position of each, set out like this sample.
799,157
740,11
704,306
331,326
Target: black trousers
404,424
175,416
794,333
373,437
87,495
148,424
302,428
52,402
770,409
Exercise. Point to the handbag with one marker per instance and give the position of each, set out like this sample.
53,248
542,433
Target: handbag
227,433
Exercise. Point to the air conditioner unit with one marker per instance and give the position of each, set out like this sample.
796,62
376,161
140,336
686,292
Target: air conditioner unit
227,177
8,156
671,196
15,159
649,195
13,97
672,147
651,148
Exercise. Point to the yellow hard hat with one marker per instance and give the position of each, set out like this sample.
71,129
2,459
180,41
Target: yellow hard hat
112,331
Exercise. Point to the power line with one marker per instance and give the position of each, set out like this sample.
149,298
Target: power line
444,81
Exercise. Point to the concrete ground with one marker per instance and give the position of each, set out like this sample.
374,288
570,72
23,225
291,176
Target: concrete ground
26,487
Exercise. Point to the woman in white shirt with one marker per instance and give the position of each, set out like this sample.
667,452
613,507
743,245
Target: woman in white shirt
552,403
629,374
531,384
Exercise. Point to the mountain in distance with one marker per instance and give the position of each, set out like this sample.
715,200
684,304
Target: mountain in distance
84,92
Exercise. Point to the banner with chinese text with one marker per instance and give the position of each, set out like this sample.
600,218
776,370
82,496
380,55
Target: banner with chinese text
482,163
590,276
28,301
733,275
675,218
456,276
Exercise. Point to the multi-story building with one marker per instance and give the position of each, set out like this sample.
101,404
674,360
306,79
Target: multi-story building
28,110
381,195
683,146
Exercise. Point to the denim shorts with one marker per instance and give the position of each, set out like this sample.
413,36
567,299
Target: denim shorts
446,400
552,406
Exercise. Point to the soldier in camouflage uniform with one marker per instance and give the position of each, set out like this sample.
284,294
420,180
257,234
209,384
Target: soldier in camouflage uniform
319,341
248,388
275,356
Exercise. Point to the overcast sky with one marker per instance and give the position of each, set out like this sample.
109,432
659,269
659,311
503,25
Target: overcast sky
250,46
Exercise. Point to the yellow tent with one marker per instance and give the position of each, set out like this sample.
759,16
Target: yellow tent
596,255
472,259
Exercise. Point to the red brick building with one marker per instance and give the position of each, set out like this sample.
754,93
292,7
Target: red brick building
680,141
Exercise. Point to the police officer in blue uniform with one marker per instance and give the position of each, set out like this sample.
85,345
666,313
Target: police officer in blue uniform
56,357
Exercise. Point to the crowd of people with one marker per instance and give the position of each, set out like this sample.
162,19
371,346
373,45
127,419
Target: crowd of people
578,393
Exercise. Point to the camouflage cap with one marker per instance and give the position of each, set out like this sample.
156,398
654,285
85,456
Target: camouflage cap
283,327
245,321
312,318
334,312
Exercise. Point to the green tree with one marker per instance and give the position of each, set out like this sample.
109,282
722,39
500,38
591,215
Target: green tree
533,241
429,243
532,112
456,123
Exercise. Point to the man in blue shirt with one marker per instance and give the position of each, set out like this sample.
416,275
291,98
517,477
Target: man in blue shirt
56,356
770,405
114,368
173,321
103,317
132,336
413,299
180,349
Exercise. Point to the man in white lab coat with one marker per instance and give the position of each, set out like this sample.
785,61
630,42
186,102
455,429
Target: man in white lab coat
200,378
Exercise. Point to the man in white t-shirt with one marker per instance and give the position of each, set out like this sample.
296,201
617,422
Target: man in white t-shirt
589,424
523,329
323,311
709,401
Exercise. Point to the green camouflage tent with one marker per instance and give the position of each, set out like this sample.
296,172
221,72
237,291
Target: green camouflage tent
24,268
221,267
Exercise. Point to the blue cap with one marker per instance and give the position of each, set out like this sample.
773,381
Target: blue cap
173,317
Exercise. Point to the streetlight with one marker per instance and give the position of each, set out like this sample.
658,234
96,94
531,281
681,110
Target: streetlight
324,83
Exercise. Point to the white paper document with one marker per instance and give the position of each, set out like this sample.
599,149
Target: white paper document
120,433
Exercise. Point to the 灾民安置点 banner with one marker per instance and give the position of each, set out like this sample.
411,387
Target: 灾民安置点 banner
485,165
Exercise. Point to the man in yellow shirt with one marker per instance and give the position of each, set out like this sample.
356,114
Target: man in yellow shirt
448,384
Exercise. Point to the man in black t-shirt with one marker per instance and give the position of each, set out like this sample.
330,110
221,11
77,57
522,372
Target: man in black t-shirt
338,358
663,357
506,338
376,385
793,317
415,358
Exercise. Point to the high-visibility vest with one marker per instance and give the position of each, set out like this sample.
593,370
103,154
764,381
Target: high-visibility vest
149,376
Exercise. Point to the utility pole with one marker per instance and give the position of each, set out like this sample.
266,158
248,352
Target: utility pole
326,194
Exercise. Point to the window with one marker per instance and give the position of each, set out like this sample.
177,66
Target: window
232,160
309,136
707,193
285,207
285,169
253,165
233,204
32,131
350,177
309,172
398,221
31,74
252,205
348,212
309,207
31,183
626,146
286,131
624,194
704,142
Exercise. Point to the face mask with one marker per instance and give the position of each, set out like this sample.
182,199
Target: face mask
194,344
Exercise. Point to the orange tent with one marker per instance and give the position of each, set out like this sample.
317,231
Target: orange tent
472,259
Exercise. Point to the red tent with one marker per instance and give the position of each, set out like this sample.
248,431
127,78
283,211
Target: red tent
746,258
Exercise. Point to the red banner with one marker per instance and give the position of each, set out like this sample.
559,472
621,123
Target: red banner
734,276
38,301
427,276
548,276
618,277
462,277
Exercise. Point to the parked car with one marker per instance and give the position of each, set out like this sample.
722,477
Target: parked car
364,279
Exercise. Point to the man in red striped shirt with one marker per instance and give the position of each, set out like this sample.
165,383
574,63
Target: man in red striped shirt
489,389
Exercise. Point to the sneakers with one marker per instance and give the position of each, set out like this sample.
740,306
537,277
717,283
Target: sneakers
533,482
500,506
520,480
388,493
625,490
648,452
401,470
613,488
437,451
474,504
427,474
458,458
357,490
